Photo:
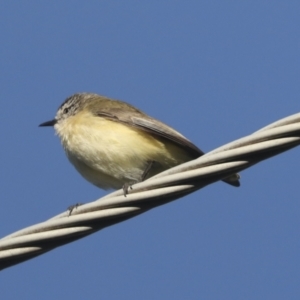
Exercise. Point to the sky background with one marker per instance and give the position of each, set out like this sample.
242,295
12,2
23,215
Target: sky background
214,70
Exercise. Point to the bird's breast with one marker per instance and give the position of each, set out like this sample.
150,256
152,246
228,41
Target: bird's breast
105,152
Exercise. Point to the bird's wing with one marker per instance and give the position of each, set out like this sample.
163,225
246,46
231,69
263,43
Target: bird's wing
135,118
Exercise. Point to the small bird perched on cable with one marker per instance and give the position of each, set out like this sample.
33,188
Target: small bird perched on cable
112,144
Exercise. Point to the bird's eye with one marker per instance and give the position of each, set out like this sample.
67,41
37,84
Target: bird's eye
66,110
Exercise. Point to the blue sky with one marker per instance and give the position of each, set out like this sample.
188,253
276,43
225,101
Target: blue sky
214,70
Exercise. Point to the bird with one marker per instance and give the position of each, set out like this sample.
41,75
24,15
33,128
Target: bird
113,145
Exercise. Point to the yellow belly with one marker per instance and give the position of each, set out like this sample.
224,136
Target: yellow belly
110,154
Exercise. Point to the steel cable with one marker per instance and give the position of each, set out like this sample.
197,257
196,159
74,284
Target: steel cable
158,190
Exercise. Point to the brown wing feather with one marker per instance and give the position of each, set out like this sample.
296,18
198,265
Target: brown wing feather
138,119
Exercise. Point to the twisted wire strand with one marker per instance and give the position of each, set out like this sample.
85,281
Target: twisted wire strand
165,187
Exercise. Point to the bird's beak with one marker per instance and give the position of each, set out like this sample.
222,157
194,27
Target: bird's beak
48,123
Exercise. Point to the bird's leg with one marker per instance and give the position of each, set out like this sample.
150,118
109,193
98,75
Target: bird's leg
150,164
72,207
126,186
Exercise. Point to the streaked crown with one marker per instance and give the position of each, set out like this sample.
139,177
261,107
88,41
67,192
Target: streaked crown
72,105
